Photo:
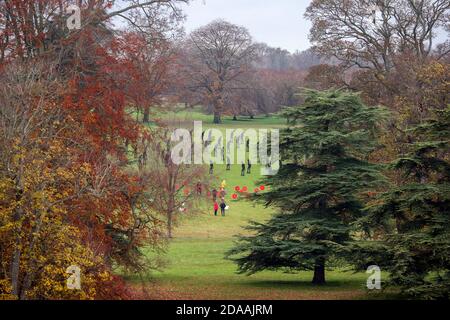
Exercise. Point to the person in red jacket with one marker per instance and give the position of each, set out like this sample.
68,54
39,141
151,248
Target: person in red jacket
216,208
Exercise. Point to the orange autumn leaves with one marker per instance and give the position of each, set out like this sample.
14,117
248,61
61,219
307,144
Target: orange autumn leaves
69,194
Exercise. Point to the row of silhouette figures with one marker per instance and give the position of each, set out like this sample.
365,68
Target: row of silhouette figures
219,150
244,169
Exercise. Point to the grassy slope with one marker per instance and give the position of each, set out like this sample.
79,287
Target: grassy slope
196,265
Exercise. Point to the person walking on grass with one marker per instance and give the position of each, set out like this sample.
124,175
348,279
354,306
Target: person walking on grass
216,208
243,169
223,207
249,167
214,195
228,163
222,193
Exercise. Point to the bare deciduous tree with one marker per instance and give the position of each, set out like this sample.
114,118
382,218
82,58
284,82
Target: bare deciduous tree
172,188
371,34
29,28
217,58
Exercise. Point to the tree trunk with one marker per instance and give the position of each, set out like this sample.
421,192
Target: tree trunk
217,118
170,213
169,227
15,263
319,272
146,115
15,268
218,104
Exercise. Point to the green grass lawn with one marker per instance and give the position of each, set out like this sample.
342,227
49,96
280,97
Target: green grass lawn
197,270
187,116
196,267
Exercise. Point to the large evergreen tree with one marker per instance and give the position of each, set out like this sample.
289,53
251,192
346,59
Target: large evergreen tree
319,188
415,216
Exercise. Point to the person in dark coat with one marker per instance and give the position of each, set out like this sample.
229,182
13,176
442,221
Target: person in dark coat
249,167
223,205
228,163
243,169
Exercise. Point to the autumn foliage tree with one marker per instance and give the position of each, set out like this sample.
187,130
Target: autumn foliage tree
147,77
69,193
382,49
271,89
391,54
385,40
414,247
324,77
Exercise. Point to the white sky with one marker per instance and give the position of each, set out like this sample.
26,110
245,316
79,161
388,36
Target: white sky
279,23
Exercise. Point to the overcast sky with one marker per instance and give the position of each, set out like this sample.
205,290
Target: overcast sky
279,23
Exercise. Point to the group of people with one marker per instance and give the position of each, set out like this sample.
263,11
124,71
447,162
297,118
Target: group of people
222,207
244,169
221,194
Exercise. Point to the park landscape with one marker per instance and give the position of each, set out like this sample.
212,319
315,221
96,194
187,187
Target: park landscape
197,267
102,198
